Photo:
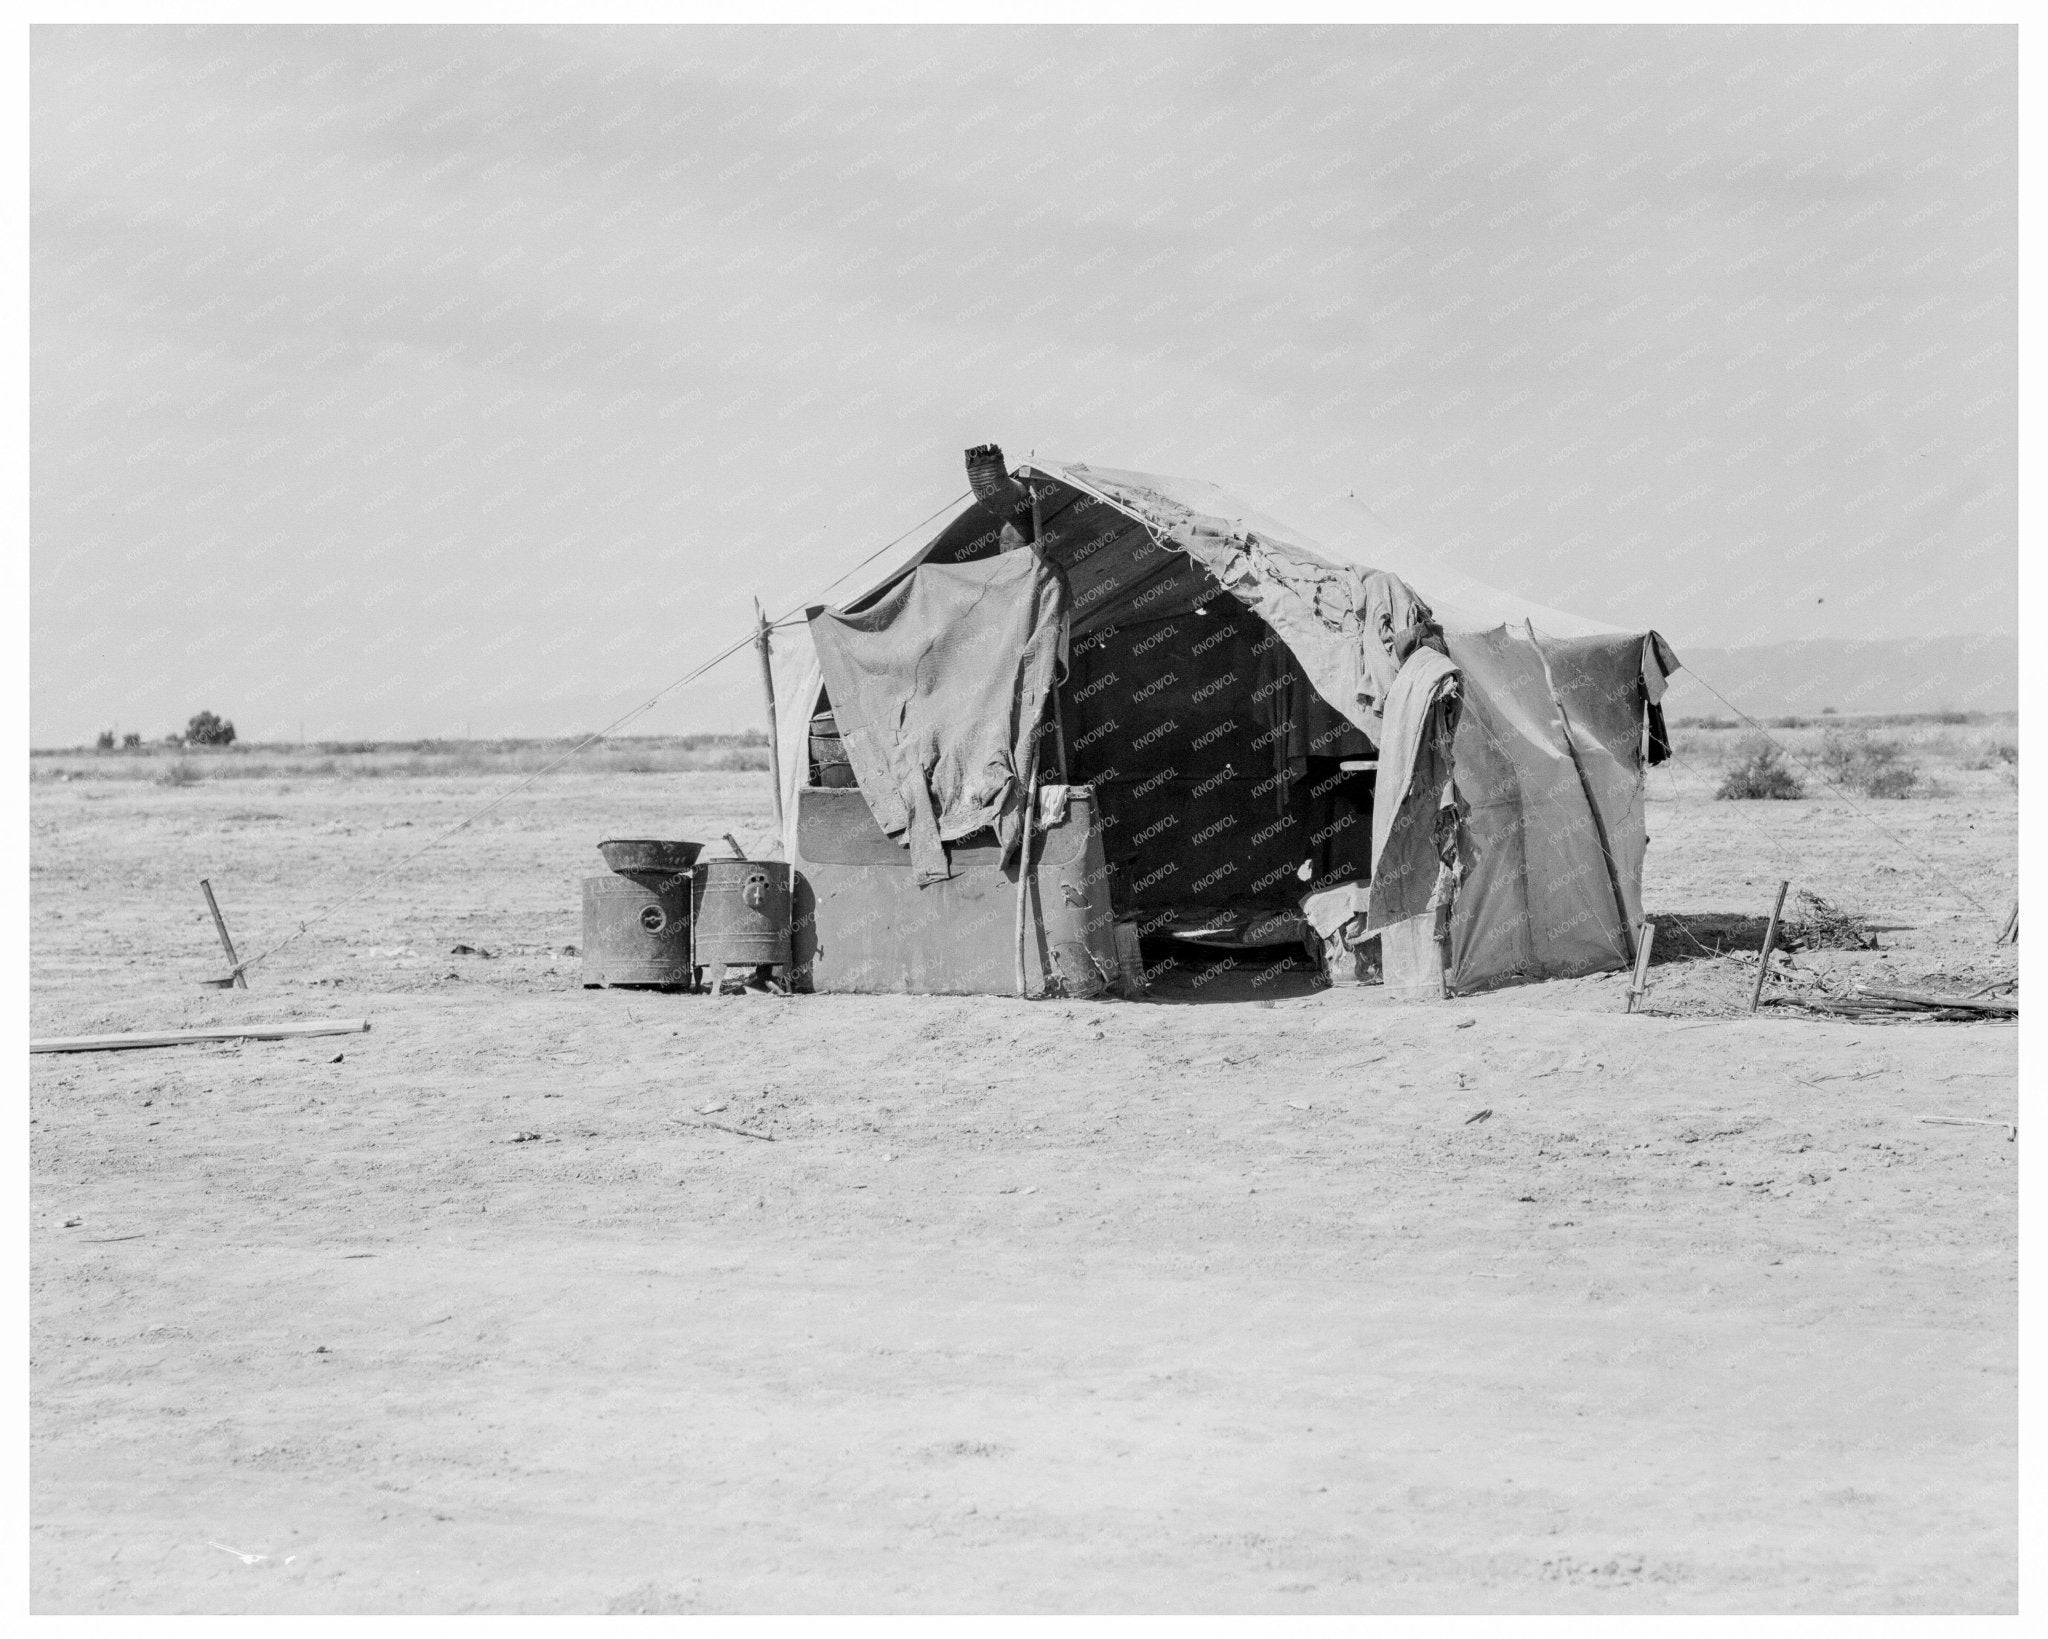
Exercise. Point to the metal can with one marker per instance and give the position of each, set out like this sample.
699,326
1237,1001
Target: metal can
741,914
634,934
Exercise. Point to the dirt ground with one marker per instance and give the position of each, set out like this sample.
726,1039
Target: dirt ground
1236,1306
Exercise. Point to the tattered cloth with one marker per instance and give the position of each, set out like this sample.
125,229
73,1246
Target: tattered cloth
1416,803
1339,619
937,688
1341,909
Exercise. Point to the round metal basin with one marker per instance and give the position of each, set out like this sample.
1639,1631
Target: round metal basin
642,857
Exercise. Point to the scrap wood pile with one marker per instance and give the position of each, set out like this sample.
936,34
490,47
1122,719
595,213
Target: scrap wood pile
1811,991
1878,1000
1824,925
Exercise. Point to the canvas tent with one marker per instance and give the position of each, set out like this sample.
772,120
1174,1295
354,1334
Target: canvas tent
1255,719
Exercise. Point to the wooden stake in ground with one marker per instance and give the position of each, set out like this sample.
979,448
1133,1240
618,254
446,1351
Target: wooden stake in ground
2010,933
182,1038
1643,943
1763,962
220,927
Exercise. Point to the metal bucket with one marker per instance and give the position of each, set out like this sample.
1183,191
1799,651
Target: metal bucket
635,935
828,752
741,914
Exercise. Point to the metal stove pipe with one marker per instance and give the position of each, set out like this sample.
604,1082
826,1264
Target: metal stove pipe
988,475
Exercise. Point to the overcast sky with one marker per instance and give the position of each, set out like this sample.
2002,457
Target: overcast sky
392,380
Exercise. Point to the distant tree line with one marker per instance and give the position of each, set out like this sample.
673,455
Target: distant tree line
209,729
203,729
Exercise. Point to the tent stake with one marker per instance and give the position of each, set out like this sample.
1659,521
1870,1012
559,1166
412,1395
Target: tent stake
1763,963
1647,938
761,642
220,927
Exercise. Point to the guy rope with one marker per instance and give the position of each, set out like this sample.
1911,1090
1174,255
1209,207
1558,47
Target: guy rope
751,638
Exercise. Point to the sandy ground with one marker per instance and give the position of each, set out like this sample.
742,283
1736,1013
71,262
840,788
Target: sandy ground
1058,1306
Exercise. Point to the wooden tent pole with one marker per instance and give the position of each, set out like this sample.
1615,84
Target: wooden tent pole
1024,849
1059,722
761,643
1030,782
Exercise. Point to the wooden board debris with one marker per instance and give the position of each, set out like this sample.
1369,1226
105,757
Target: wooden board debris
183,1038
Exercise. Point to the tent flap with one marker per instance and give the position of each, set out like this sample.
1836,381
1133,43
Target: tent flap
937,687
1547,757
1416,798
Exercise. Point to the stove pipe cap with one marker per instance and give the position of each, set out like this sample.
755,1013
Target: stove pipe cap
988,475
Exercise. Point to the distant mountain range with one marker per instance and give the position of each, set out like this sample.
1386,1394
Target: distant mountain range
1976,673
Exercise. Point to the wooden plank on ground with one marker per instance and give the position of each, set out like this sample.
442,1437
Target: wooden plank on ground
183,1038
1923,998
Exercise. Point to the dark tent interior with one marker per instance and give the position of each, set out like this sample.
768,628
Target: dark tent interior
1227,786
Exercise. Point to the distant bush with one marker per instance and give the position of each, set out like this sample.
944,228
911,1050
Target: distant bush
131,741
1895,780
1997,752
1760,775
106,740
208,730
177,773
1867,763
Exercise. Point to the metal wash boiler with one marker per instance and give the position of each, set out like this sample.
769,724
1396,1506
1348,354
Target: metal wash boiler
637,921
741,917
